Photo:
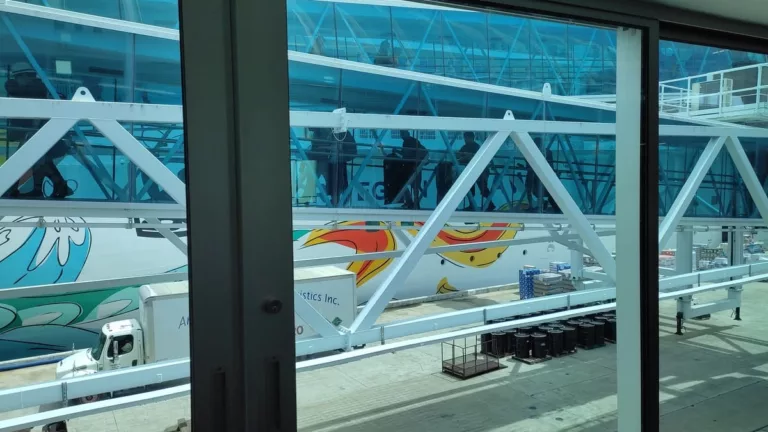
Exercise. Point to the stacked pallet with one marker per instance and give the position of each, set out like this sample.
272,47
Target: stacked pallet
551,283
526,276
182,425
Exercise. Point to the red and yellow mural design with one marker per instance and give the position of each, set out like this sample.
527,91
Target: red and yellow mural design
362,241
377,239
477,258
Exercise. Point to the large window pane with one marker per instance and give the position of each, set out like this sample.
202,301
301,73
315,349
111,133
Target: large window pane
509,258
124,299
712,194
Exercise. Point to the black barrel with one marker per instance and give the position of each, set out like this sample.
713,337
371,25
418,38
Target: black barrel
599,332
485,340
610,315
499,343
522,341
510,335
525,330
555,342
573,323
539,345
610,329
542,329
570,339
587,335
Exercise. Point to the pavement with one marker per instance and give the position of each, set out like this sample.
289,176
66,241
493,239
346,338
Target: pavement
713,378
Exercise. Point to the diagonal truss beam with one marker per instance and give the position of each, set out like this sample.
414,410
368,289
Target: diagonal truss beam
570,209
44,139
744,166
407,263
688,192
312,317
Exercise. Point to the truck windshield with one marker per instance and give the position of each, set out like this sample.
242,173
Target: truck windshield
99,347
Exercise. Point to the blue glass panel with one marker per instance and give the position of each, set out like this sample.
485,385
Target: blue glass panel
162,13
98,59
311,28
156,70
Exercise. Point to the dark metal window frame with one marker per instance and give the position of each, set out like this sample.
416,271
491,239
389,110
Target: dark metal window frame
235,81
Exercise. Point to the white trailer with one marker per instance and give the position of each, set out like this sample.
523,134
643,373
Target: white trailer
329,290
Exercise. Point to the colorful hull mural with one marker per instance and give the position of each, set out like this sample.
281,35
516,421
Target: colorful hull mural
42,255
436,273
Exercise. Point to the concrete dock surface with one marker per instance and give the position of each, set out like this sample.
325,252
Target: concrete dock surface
713,378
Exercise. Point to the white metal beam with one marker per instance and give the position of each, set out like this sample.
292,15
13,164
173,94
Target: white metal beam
570,209
97,285
85,109
103,382
406,122
87,20
312,317
744,166
153,113
170,236
436,222
689,189
91,209
32,151
383,121
143,158
76,411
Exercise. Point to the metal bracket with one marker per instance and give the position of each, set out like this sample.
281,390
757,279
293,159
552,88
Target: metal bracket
341,126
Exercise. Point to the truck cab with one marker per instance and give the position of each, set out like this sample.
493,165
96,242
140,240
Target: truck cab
120,345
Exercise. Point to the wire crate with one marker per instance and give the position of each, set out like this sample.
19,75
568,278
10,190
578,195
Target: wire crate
465,358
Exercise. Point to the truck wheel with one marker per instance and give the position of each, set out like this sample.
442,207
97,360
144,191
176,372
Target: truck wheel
88,399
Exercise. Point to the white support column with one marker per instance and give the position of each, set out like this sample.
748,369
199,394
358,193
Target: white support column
570,209
405,265
577,267
744,166
684,254
628,117
31,152
170,236
312,317
683,200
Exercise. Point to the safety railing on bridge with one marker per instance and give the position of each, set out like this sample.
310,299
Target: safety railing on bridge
737,95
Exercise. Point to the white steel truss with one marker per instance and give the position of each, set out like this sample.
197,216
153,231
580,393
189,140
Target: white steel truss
81,108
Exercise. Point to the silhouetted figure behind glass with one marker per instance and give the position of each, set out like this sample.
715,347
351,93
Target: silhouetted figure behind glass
413,153
331,154
24,83
385,57
534,187
466,152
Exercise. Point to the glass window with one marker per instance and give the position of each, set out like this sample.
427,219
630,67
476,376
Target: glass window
542,290
712,193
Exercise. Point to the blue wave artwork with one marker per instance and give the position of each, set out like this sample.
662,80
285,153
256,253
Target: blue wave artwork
46,255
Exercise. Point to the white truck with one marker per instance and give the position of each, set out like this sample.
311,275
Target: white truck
162,330
161,333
